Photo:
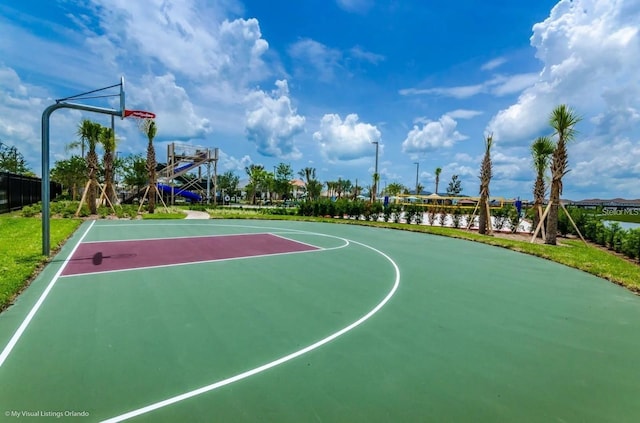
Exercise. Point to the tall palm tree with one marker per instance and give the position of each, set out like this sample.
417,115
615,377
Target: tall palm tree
308,174
563,120
108,142
150,132
484,224
84,131
541,151
91,132
438,172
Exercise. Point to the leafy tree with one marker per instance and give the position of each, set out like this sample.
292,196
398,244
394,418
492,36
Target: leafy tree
135,171
486,170
70,174
283,177
12,161
563,120
151,131
419,188
455,186
541,151
228,182
256,175
438,172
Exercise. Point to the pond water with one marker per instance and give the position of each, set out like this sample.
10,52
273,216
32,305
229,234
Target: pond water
623,225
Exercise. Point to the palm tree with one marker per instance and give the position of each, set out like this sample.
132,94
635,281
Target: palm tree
562,120
84,132
308,175
541,151
438,172
151,131
484,224
108,142
91,133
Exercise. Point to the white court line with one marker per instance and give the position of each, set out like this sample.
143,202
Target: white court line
16,336
304,243
274,363
317,249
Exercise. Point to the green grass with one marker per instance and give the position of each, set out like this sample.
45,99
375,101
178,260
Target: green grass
159,215
21,250
572,253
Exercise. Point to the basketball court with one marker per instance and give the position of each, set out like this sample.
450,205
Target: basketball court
228,320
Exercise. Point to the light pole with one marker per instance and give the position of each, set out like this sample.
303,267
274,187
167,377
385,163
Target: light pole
417,168
375,173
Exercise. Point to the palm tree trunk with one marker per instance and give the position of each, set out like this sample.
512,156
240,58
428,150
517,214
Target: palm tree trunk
552,216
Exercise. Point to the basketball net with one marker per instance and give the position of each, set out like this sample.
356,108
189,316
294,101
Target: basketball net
143,124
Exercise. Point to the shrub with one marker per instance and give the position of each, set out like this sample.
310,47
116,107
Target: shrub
456,216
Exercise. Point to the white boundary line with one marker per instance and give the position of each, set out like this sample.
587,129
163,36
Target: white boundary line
274,363
169,238
23,326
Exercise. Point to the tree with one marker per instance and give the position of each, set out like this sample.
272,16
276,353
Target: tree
395,188
70,174
135,171
313,187
150,132
283,177
541,151
438,172
12,161
455,186
419,188
374,189
562,120
228,183
84,131
90,131
484,224
256,180
108,141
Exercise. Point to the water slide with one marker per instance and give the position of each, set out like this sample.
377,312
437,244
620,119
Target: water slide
181,192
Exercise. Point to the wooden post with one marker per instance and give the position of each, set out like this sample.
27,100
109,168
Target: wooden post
573,223
542,218
84,197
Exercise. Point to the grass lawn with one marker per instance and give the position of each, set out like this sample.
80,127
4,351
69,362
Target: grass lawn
21,250
630,218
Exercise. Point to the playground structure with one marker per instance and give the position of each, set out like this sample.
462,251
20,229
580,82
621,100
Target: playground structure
181,160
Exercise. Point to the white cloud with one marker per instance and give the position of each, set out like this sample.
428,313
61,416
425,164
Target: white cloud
346,140
367,56
464,114
272,123
195,38
176,116
237,165
311,54
499,85
433,135
494,63
591,55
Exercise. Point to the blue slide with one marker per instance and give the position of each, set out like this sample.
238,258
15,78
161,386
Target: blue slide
181,192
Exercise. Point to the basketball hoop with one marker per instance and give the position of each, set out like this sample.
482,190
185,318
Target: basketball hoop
142,117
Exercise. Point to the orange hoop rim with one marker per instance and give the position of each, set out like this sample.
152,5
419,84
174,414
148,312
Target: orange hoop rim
140,114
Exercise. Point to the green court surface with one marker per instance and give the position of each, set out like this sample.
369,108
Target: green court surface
375,325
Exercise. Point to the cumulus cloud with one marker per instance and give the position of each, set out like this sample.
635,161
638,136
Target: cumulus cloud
272,122
346,140
591,55
176,116
433,135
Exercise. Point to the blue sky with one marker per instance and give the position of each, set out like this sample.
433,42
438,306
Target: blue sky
313,83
